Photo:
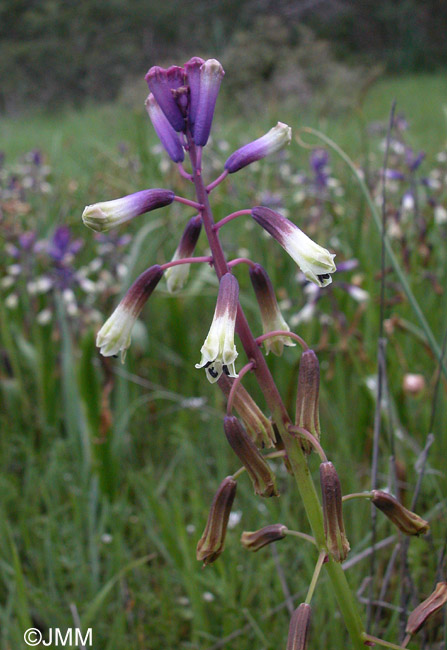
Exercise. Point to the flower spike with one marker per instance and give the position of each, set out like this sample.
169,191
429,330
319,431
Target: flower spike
211,74
166,134
278,137
115,335
176,276
161,83
271,317
108,214
316,262
219,351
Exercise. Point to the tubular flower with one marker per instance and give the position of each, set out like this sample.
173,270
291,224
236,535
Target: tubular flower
262,477
406,521
316,262
307,413
427,608
299,628
108,214
271,317
334,528
278,137
176,276
253,541
163,128
192,68
219,351
211,74
115,335
211,544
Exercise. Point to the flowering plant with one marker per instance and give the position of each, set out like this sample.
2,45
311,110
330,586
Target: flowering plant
181,106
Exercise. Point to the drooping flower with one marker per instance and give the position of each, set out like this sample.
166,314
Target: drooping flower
271,316
259,471
334,529
255,540
108,214
115,335
219,351
277,138
406,521
169,138
211,74
299,628
316,262
211,544
176,276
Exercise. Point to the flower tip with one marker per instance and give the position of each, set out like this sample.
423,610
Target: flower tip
95,219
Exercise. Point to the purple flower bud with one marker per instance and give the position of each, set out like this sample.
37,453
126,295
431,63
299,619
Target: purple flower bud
211,74
161,83
271,316
192,68
262,477
277,138
176,276
299,628
114,335
334,529
316,262
103,216
414,160
211,544
167,135
253,541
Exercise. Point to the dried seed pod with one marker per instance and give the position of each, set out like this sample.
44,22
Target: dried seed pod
257,539
406,521
307,413
299,628
423,611
334,528
264,481
211,544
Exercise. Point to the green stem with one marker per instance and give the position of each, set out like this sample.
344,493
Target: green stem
385,644
393,259
357,495
315,577
298,533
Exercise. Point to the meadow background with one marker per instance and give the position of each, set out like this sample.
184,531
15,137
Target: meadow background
108,470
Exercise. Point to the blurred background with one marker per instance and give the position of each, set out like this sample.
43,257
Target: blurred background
108,470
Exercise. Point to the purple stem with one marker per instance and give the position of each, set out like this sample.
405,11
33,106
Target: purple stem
217,182
230,217
241,260
193,204
186,260
182,171
291,335
252,350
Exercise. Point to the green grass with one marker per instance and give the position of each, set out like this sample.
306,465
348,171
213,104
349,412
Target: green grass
105,495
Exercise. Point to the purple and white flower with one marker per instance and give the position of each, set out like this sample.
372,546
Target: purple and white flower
211,74
219,351
169,138
108,214
115,335
316,262
278,137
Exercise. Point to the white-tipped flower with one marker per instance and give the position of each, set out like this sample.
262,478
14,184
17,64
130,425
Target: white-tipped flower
108,214
315,262
176,276
115,335
271,316
277,138
219,351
